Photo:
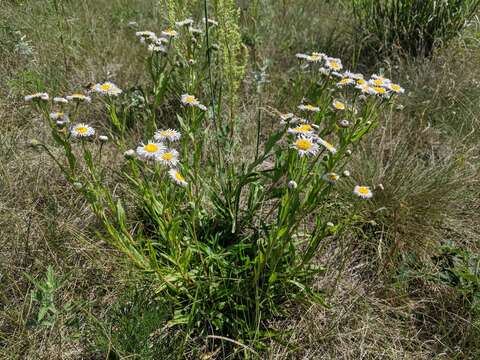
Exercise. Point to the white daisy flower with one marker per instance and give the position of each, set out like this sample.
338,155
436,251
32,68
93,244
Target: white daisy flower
60,100
292,184
345,82
150,150
79,97
327,145
195,31
168,157
331,177
381,91
363,191
82,131
190,100
37,96
156,48
351,75
186,22
338,105
395,88
145,36
304,129
309,107
301,56
381,80
170,33
177,177
107,88
315,57
59,115
168,134
305,146
333,63
366,89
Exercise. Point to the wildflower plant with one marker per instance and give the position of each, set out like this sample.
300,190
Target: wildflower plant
229,242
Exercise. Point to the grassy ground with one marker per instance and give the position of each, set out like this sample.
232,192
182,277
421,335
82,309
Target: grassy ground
401,289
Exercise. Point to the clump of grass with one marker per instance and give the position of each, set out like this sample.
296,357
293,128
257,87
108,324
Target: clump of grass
415,27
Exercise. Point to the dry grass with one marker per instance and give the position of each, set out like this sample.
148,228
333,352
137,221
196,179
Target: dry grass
426,158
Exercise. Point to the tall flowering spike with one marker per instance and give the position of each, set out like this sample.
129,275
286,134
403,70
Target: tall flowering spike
82,131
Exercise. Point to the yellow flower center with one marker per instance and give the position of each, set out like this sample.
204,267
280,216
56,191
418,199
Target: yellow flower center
363,190
314,57
82,129
333,177
310,107
304,128
345,81
179,176
378,82
151,148
339,105
105,87
190,99
380,90
303,144
78,95
361,82
395,87
334,65
167,156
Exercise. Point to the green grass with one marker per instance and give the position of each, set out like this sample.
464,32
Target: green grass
402,284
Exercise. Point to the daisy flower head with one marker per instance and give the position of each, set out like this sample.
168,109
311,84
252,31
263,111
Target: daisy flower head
82,131
333,63
58,115
309,107
284,118
177,177
302,56
154,48
345,82
186,22
107,88
380,91
170,33
354,76
37,97
315,57
381,79
150,150
327,145
60,100
379,82
305,129
305,146
361,82
397,89
366,89
363,191
168,157
145,36
79,98
338,105
331,177
189,100
167,134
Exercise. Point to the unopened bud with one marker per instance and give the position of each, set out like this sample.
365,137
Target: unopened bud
330,224
103,138
346,173
348,152
129,153
292,184
78,185
33,142
369,123
344,123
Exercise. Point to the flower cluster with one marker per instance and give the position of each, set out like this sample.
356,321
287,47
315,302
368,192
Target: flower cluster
156,150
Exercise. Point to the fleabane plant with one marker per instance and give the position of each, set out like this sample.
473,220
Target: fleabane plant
229,242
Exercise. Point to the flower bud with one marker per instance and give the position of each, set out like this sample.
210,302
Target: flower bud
346,173
33,142
330,224
344,123
292,184
348,152
78,185
103,138
129,154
